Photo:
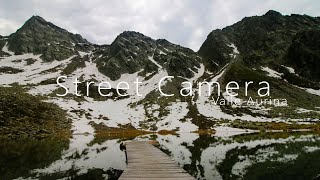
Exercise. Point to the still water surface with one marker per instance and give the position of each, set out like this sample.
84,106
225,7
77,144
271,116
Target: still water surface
246,156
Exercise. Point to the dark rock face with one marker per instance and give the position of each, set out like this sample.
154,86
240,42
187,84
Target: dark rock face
215,50
304,54
2,43
41,37
272,13
271,40
128,53
132,52
259,39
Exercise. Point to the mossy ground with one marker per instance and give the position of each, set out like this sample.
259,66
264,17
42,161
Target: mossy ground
24,115
265,126
296,97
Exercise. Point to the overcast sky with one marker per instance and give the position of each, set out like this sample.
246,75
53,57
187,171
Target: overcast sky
184,22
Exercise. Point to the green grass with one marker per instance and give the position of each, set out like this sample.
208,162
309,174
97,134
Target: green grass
24,115
296,97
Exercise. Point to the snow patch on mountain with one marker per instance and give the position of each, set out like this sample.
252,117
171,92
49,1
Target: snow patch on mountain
197,75
235,51
82,54
32,74
310,90
290,69
154,62
313,91
272,73
6,50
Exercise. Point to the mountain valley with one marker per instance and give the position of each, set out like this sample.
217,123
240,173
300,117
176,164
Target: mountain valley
281,50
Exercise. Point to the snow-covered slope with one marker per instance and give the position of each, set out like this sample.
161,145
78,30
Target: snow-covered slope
130,57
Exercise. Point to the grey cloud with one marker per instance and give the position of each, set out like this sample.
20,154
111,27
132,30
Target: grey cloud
184,22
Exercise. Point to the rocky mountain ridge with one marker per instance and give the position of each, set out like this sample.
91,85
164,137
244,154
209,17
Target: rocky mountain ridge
283,50
261,40
132,51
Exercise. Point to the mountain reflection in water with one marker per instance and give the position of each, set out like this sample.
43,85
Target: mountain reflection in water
247,156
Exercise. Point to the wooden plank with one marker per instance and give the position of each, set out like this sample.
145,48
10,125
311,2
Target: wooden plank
147,162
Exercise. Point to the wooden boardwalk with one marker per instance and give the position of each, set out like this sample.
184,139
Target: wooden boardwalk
147,162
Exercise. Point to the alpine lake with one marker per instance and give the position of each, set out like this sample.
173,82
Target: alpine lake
227,155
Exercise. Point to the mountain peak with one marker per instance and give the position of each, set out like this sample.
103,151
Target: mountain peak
273,13
37,18
34,20
37,22
39,36
132,35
